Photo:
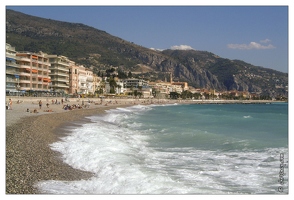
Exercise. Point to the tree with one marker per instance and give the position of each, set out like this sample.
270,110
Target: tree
196,95
186,94
130,75
174,95
112,85
121,74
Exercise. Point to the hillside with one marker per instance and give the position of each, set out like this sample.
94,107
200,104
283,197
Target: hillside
99,50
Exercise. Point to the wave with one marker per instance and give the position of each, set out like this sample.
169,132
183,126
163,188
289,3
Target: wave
247,116
125,159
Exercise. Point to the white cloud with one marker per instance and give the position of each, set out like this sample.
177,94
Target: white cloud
181,47
265,41
252,45
156,49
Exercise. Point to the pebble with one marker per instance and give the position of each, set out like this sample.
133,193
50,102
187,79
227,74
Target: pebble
29,158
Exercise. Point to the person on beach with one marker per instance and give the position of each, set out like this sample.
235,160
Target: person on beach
10,105
40,104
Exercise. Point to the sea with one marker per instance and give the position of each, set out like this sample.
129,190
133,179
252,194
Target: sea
178,149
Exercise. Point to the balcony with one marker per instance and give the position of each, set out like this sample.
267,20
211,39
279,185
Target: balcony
59,74
24,59
60,86
25,66
24,81
10,55
59,79
12,71
60,63
59,69
24,74
35,67
44,69
11,80
11,64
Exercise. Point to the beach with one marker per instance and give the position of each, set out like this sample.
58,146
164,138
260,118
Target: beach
29,158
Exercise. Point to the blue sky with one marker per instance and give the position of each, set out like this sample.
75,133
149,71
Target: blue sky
255,34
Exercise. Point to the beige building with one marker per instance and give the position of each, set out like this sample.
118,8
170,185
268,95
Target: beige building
89,81
73,78
59,73
34,70
82,82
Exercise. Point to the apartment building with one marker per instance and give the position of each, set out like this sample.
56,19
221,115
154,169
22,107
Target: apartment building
82,83
89,81
59,73
180,86
73,78
133,82
34,70
12,71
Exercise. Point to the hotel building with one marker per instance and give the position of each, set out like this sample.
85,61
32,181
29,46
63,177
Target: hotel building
33,72
59,73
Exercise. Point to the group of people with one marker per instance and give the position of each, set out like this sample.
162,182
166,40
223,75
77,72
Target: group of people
67,106
71,107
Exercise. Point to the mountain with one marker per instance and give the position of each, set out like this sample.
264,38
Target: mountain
99,50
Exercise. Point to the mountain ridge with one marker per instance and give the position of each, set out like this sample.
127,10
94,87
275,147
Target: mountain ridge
98,50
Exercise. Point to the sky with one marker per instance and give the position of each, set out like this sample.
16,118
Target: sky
255,34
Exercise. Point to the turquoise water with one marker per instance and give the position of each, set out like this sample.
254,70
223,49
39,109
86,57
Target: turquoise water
178,149
219,126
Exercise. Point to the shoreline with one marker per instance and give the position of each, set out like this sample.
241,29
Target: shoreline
29,158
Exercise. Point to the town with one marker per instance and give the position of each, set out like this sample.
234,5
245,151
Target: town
41,75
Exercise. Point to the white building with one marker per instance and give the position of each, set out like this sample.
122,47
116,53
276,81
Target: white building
82,80
89,82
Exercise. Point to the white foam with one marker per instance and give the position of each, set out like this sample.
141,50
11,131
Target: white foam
247,116
123,162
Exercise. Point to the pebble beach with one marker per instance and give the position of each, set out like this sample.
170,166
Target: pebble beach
29,158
